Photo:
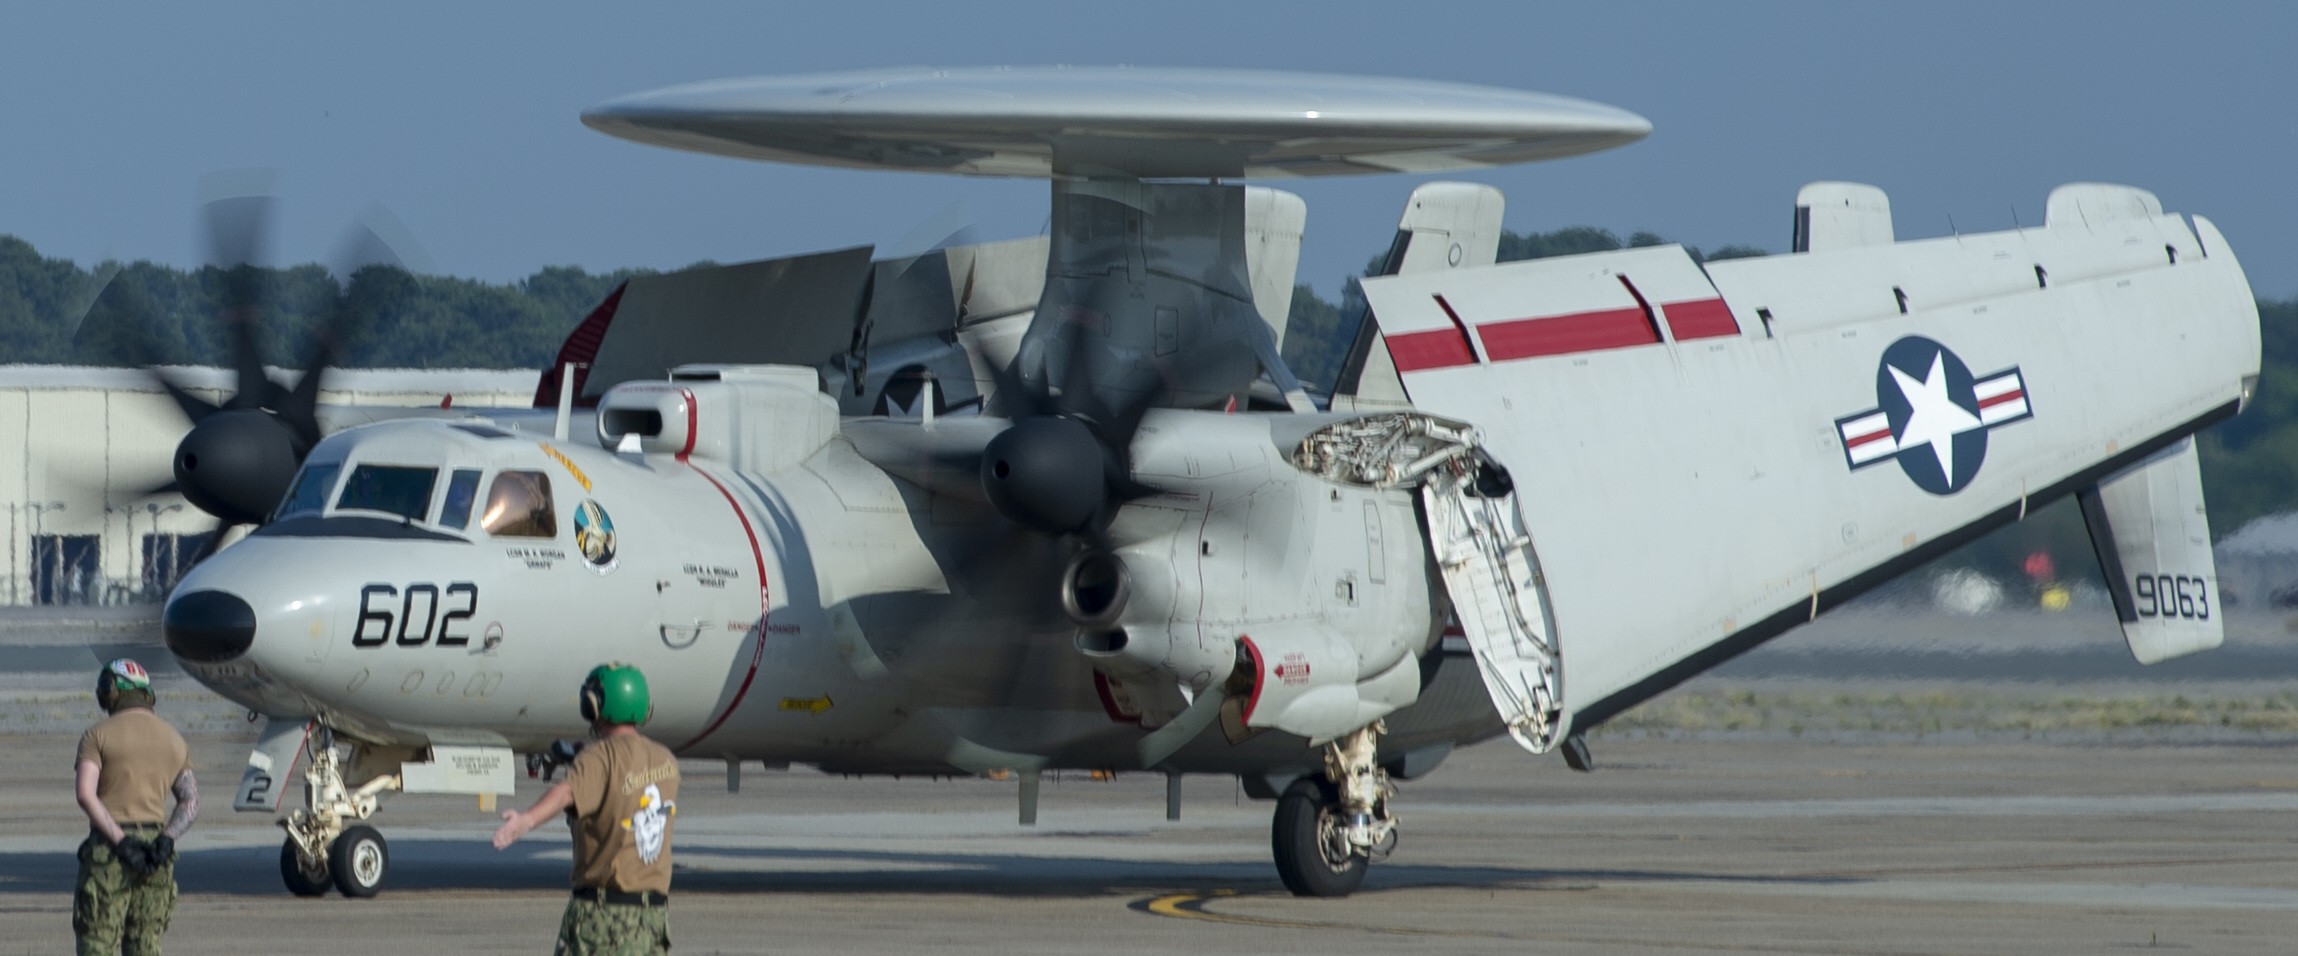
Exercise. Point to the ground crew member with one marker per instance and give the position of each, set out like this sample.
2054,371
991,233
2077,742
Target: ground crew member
620,796
128,764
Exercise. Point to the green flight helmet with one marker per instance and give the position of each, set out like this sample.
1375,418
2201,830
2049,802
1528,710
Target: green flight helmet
616,694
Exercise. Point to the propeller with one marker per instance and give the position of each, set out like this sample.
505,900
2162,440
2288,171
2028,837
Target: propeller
1065,465
240,455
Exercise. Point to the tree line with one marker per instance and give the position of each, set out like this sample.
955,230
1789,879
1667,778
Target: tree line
52,311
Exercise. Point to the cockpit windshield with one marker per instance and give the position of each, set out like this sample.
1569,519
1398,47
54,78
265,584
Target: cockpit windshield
392,489
519,506
455,511
311,488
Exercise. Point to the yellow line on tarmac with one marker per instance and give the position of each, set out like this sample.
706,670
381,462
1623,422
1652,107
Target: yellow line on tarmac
1190,906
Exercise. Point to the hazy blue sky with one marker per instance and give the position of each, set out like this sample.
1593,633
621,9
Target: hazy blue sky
461,117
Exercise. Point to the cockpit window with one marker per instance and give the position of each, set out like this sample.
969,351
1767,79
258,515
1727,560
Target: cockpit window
519,506
462,488
311,488
393,489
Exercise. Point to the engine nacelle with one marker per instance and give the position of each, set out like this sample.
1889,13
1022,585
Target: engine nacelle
758,418
1123,605
1306,681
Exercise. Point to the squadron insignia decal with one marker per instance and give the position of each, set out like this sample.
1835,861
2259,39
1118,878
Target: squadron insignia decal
594,536
1932,415
651,823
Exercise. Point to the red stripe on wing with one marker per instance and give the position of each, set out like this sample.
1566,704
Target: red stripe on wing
1562,334
1700,319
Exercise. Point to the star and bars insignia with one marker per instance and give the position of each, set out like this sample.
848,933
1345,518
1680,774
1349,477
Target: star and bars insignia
1932,415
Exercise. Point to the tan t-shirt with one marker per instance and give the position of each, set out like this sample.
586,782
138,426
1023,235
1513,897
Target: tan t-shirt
140,757
625,795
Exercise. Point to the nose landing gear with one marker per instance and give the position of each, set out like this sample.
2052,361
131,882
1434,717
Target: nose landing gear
326,845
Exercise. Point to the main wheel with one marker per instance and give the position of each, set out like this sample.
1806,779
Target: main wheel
359,860
302,880
1312,853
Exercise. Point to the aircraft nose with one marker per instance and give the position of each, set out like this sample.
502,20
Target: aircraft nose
208,626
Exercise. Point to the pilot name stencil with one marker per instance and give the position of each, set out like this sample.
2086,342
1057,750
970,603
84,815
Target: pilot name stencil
710,575
539,559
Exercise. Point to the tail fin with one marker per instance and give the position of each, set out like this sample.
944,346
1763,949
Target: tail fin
1444,226
1274,221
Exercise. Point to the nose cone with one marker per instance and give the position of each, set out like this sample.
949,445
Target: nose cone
208,626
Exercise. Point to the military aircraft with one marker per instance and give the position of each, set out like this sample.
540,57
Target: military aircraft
1058,504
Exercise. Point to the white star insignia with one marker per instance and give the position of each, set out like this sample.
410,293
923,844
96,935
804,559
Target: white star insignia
1934,417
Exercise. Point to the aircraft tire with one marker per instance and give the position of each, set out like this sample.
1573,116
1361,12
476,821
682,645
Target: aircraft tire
1306,813
360,860
300,881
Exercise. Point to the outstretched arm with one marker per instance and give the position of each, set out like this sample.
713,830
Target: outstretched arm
516,824
98,817
187,806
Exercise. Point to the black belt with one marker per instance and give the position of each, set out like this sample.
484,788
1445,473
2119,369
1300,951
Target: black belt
642,898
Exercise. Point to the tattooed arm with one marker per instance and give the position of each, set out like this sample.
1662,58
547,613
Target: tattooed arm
187,806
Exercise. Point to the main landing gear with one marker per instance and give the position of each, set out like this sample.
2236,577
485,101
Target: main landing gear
1329,830
327,845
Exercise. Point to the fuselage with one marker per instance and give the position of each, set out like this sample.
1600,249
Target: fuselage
431,581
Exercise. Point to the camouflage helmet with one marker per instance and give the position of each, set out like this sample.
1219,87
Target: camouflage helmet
616,694
123,683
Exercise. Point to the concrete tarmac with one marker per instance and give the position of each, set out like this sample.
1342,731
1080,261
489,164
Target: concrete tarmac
1672,846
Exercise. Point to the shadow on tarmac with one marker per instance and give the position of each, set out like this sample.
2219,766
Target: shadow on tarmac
435,865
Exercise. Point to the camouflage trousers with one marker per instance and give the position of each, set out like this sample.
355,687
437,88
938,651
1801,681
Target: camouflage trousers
593,928
113,909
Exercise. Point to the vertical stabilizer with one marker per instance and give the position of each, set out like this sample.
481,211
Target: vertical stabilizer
1274,222
1444,226
2153,540
1452,226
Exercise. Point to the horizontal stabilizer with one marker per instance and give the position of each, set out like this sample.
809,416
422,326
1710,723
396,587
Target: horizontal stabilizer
794,311
2153,540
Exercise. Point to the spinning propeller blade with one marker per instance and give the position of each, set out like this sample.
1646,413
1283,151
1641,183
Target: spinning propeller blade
239,455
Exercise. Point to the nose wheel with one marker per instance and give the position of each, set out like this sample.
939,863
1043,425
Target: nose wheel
359,859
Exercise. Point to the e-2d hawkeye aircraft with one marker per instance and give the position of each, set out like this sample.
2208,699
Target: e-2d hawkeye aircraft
1114,533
